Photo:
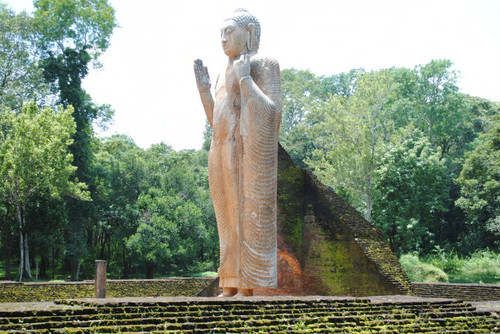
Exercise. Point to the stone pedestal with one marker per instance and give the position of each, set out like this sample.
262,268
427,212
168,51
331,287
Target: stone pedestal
100,279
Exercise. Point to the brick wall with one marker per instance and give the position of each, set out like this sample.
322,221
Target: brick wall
14,292
330,249
469,292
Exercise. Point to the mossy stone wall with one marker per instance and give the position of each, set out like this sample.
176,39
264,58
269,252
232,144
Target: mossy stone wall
339,252
469,292
13,292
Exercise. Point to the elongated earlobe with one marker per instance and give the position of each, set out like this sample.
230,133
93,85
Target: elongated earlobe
250,37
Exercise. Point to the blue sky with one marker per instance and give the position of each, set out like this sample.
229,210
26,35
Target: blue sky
148,77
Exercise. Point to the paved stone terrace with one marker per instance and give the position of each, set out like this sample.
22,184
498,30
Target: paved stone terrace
384,314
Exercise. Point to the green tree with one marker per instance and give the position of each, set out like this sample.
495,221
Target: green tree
175,200
75,24
480,189
120,169
351,134
154,242
34,160
21,79
72,34
428,97
8,234
303,91
411,189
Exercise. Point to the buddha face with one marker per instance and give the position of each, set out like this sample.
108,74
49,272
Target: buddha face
234,39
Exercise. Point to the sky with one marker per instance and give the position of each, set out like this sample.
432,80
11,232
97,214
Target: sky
148,69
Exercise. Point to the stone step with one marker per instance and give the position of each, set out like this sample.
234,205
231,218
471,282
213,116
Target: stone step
312,323
139,318
94,314
243,316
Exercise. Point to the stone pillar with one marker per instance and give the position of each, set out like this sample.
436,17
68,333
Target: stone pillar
100,278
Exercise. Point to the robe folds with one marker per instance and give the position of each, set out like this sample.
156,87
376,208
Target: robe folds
243,174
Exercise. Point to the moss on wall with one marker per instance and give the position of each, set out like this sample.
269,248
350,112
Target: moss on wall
11,292
339,251
290,202
463,291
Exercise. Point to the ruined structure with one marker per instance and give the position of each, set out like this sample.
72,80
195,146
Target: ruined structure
325,247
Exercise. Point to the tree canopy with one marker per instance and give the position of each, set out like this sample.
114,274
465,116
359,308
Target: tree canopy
404,146
34,160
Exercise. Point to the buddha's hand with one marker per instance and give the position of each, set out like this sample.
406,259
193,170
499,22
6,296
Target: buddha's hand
202,77
242,67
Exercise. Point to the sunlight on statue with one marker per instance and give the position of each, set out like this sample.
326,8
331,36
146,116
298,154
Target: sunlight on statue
242,165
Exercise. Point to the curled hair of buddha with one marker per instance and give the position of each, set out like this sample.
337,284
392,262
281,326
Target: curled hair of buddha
244,19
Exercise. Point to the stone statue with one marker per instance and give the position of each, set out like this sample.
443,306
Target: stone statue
242,164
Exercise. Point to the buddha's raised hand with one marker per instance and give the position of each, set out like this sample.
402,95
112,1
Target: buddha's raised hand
202,77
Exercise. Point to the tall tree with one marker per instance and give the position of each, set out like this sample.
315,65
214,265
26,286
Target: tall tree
428,97
73,34
303,91
480,189
75,24
411,190
120,173
351,133
177,230
21,79
34,160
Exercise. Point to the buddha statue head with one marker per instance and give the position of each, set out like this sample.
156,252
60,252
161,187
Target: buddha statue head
240,33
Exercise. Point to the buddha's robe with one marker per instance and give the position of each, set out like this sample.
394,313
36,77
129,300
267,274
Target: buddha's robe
243,174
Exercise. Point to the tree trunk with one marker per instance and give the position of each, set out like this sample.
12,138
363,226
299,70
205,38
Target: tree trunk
78,270
149,271
8,256
26,255
125,267
7,244
43,267
75,269
53,260
21,256
24,259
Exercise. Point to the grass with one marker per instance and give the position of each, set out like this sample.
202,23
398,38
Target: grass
203,274
419,271
479,267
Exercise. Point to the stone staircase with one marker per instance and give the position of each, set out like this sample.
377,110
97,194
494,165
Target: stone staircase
253,315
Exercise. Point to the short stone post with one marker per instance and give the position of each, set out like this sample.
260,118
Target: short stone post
100,278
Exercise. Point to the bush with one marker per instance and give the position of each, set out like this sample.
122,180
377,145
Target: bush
419,271
449,262
480,267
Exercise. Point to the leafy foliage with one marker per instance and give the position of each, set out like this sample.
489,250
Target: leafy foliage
411,187
389,141
33,154
350,133
348,129
75,24
21,79
34,160
479,267
480,186
419,271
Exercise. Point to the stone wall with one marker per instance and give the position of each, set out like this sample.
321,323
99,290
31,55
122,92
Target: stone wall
11,292
469,292
325,247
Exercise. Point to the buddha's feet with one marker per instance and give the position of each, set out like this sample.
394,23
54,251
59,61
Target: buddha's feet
244,293
228,292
